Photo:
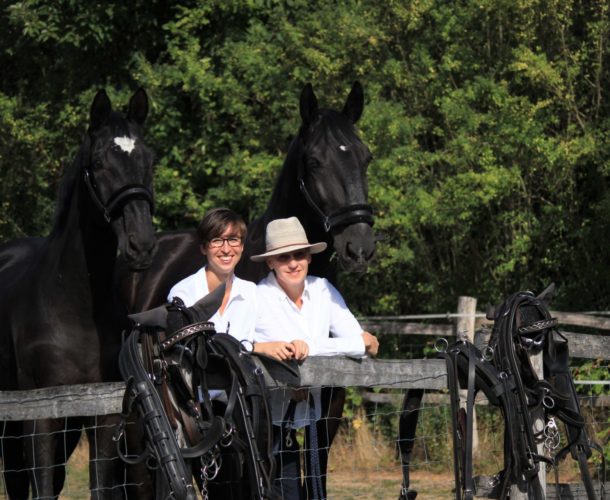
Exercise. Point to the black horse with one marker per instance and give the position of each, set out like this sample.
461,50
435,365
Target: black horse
323,182
61,318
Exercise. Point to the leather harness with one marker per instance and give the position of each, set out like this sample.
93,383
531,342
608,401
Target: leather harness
165,344
522,326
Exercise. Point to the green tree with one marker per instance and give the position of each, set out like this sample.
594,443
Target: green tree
488,121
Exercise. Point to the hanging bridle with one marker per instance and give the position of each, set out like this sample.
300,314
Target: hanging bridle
344,216
119,198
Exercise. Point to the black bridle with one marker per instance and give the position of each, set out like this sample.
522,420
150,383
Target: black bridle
119,198
344,216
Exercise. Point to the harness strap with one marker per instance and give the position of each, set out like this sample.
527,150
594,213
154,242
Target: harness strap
211,438
185,333
458,444
160,436
346,215
118,199
468,481
243,407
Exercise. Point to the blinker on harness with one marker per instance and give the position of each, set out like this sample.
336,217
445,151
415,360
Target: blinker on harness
167,342
522,325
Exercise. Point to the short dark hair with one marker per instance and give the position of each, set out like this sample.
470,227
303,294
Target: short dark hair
216,221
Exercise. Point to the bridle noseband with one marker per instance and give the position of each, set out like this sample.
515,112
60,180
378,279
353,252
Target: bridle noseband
344,216
119,198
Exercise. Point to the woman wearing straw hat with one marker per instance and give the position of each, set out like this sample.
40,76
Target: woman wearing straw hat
295,316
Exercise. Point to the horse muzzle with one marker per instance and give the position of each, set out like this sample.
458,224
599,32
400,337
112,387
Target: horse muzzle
355,246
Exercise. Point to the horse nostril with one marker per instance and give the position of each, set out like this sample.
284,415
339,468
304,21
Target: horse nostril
355,254
359,254
137,245
132,242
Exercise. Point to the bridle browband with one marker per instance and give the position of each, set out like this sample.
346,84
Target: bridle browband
119,198
344,216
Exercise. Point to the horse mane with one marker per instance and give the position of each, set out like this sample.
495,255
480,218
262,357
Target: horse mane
67,188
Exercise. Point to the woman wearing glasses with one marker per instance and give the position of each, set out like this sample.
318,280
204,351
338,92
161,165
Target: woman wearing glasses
221,235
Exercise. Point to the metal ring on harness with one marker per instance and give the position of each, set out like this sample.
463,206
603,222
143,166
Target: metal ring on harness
227,437
488,353
548,402
246,345
441,345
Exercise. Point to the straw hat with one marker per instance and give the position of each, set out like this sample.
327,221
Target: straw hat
285,236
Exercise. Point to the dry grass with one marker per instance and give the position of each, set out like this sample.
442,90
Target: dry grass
363,464
77,477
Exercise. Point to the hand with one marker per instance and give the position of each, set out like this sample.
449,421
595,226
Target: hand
281,351
301,349
371,344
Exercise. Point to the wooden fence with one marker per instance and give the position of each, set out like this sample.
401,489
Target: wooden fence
99,399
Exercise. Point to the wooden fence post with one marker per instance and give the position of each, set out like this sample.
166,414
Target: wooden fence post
464,328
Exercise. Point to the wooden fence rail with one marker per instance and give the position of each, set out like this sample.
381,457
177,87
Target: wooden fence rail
99,399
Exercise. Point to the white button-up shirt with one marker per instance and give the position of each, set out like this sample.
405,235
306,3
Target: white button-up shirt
322,313
238,318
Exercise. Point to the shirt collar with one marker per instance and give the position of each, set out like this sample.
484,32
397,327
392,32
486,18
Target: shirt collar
281,294
236,289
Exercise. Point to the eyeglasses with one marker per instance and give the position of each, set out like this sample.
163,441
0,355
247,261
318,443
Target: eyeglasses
287,257
233,241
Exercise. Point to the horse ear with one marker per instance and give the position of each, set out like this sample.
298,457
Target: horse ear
355,103
100,110
138,107
308,104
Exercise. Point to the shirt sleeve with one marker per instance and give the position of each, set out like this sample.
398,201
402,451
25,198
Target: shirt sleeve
179,291
345,331
347,346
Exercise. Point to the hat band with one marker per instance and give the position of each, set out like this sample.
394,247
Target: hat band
286,246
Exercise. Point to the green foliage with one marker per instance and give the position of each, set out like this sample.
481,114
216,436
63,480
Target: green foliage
488,122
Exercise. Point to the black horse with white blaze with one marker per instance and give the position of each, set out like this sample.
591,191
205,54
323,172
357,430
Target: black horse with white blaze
60,316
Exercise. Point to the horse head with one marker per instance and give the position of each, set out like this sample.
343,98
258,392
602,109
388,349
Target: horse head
117,170
332,176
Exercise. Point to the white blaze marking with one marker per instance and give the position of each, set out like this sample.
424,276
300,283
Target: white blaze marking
125,143
343,148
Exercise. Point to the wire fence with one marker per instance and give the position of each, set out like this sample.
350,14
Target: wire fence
363,461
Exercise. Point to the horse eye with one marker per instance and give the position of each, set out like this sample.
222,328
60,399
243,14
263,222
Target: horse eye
312,162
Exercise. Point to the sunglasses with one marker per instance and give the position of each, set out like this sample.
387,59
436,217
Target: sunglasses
287,257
